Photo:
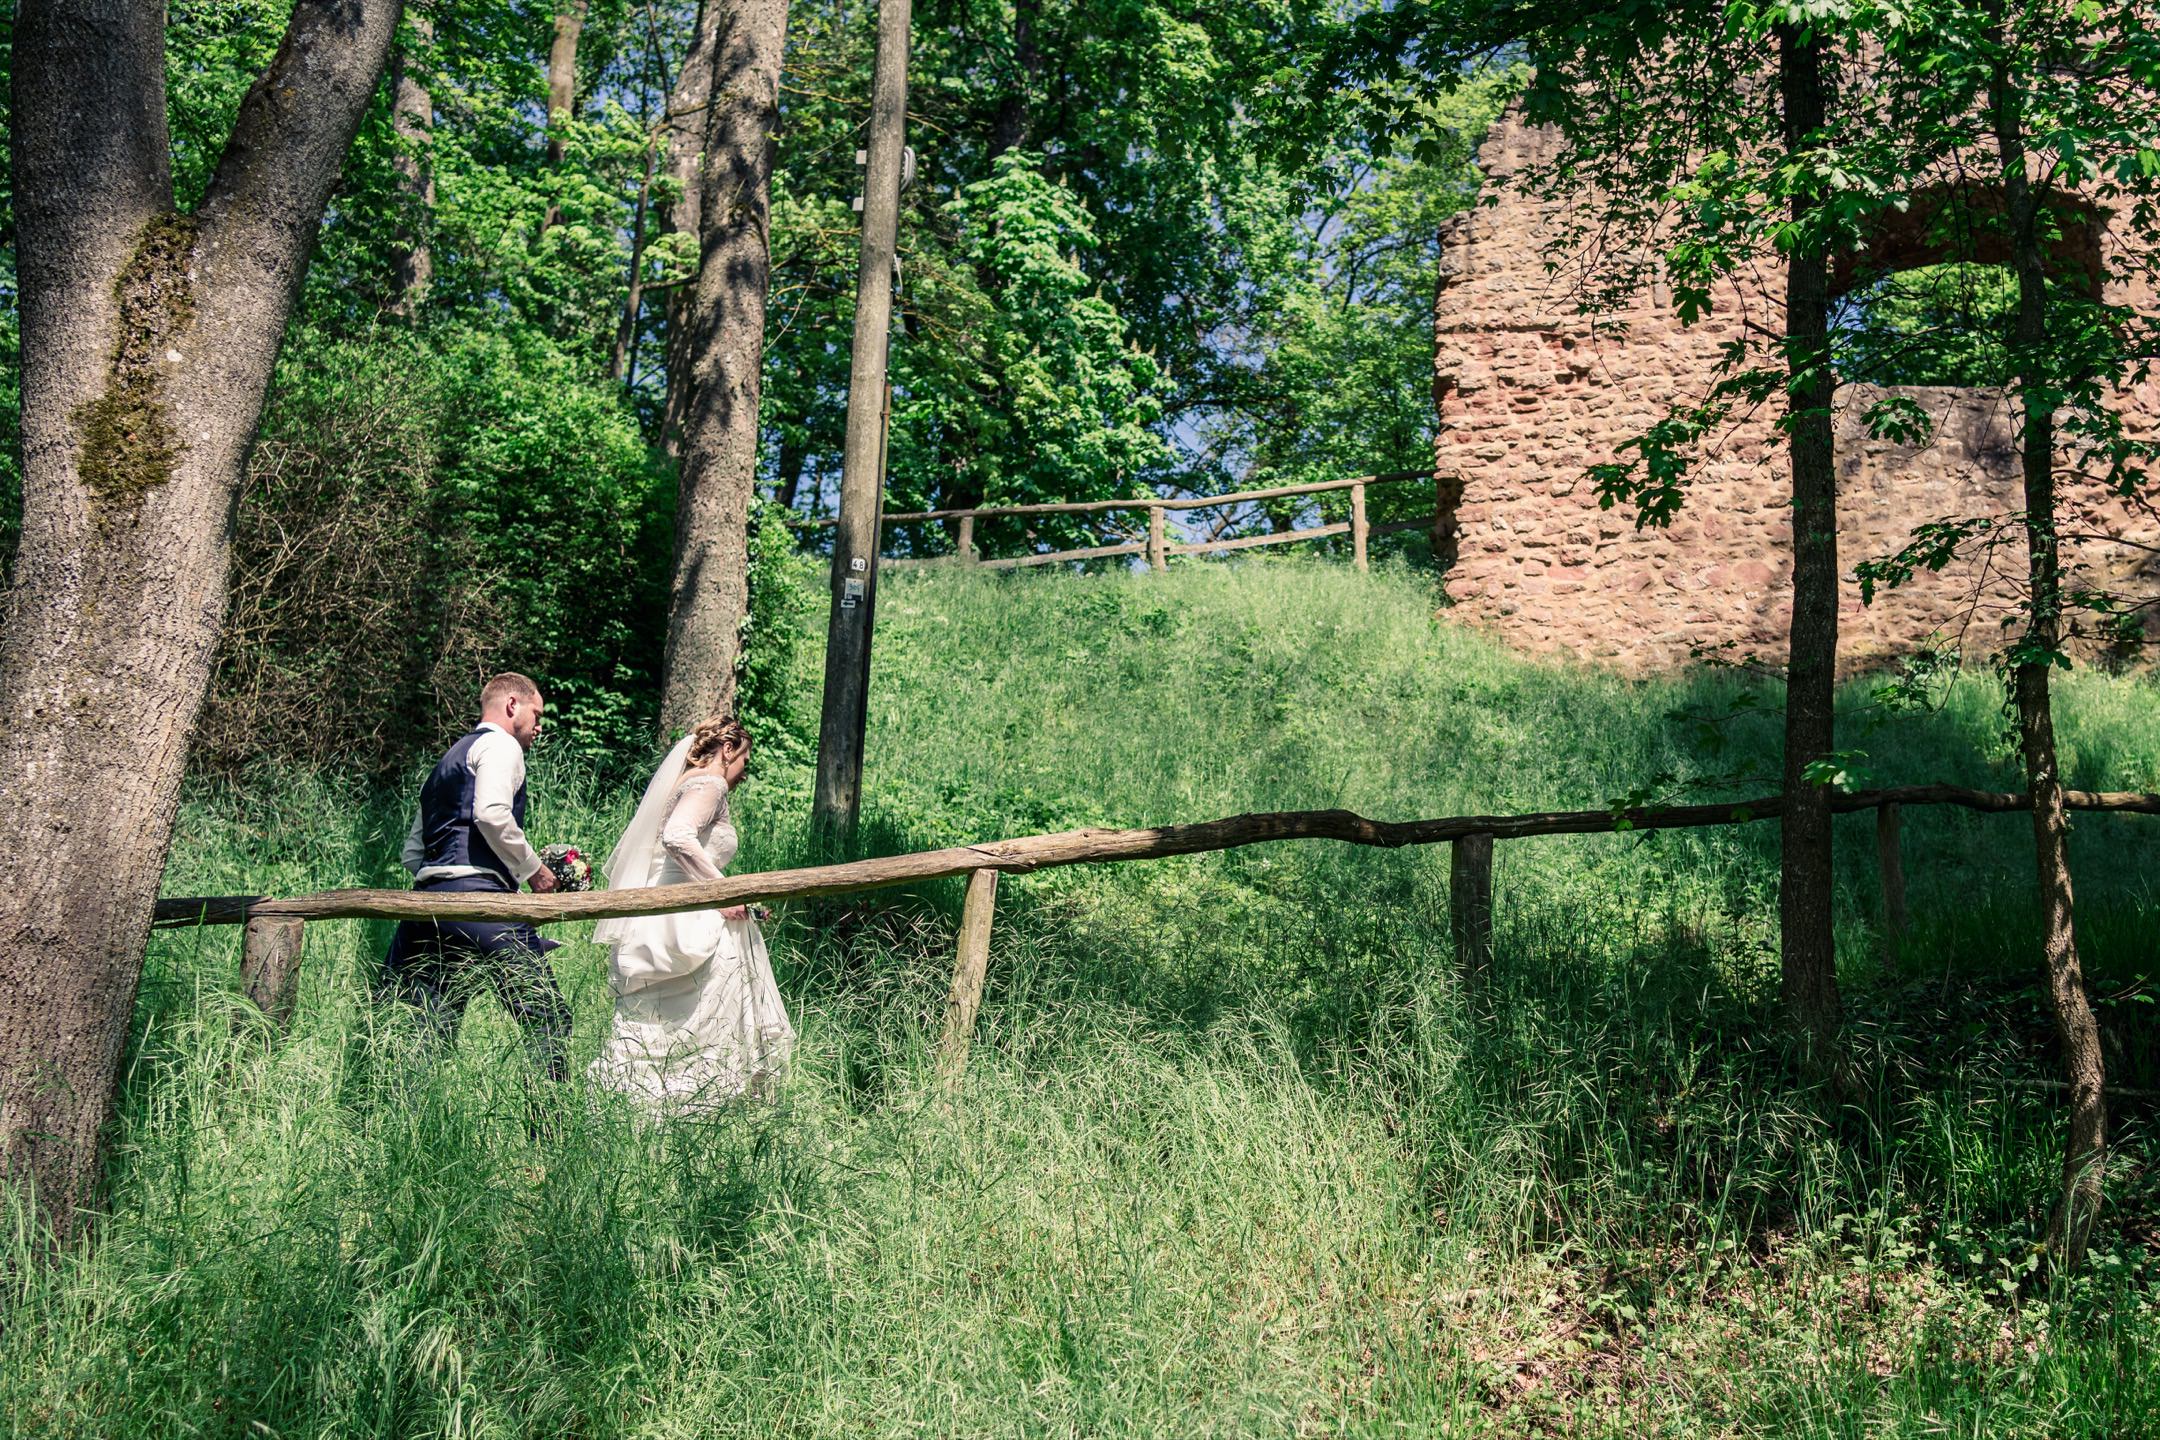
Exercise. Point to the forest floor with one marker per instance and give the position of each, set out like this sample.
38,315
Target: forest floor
1234,1154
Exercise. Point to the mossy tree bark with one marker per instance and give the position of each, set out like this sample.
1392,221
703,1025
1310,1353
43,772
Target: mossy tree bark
148,339
1808,986
2085,1157
724,335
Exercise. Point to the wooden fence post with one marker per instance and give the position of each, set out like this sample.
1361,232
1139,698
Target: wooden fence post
1358,528
967,981
967,539
1470,903
270,964
1889,857
1158,555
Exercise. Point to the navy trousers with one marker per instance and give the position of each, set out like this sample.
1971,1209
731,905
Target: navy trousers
438,966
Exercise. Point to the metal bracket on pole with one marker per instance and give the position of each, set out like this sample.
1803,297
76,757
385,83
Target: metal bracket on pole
907,171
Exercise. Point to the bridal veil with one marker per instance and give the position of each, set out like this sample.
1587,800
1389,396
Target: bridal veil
635,862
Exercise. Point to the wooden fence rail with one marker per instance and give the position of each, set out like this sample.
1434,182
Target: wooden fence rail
1157,547
272,948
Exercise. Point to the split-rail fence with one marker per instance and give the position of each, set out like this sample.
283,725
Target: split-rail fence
274,928
1158,546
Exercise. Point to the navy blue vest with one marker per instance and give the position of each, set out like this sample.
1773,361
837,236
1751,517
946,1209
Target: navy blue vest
446,815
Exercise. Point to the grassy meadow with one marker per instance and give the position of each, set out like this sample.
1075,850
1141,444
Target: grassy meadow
1234,1155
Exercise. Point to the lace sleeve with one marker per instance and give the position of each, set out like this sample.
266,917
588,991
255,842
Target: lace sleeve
696,805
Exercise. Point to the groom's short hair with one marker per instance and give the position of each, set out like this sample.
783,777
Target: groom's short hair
505,685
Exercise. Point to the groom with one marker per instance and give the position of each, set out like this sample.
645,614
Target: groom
469,835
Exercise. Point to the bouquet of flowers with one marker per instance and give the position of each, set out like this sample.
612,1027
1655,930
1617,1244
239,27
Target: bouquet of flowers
572,871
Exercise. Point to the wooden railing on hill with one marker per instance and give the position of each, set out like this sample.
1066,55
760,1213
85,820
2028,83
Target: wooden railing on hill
1158,547
271,950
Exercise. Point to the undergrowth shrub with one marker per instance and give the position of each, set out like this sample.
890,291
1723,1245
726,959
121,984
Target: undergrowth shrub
423,512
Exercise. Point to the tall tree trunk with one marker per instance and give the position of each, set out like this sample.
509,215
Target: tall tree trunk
2085,1157
562,89
726,334
148,340
412,116
1808,987
686,116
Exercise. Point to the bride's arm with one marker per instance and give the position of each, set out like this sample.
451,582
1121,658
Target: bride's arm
682,834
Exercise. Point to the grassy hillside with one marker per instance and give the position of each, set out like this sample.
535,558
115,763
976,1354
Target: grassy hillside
1234,1155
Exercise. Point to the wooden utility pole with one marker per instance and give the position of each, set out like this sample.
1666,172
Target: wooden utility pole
862,475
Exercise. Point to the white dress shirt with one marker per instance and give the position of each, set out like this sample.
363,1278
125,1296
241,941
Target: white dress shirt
497,763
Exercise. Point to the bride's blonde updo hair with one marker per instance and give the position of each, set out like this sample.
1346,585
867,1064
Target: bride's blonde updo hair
712,736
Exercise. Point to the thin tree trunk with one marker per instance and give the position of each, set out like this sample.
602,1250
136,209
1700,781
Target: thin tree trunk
412,116
562,73
148,343
2085,1157
726,334
627,330
1808,987
1010,128
794,458
562,89
686,115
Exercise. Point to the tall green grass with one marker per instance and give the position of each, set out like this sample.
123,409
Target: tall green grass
1234,1154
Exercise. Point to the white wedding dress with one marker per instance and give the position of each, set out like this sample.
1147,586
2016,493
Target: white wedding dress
698,1020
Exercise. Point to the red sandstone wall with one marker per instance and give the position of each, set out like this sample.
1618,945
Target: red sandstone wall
1530,394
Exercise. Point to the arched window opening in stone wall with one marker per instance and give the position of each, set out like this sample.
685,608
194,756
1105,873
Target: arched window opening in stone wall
1947,324
1964,223
1530,392
1930,299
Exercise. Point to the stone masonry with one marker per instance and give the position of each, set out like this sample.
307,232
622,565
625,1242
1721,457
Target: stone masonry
1531,393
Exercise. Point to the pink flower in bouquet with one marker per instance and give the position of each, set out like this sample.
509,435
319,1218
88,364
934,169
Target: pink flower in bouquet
572,871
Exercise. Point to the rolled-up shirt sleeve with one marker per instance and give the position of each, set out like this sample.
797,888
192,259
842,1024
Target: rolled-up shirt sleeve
414,856
498,766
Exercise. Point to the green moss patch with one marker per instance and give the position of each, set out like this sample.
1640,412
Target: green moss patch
128,441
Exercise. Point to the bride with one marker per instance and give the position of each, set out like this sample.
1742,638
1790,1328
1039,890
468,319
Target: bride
698,1020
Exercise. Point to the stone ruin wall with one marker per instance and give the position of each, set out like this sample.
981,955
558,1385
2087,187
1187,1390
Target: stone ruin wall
1530,394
